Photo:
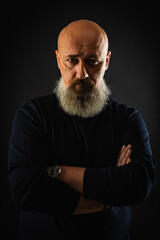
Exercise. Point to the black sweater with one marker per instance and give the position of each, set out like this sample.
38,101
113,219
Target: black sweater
44,135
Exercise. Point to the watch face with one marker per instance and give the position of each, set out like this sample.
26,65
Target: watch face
55,171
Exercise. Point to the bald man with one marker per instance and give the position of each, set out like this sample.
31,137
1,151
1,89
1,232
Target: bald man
78,160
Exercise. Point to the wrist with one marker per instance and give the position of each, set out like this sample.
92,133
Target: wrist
54,171
73,176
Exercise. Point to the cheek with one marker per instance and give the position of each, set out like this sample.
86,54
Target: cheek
98,74
68,75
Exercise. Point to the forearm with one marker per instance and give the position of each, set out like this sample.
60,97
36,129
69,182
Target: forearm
87,205
119,186
73,177
37,192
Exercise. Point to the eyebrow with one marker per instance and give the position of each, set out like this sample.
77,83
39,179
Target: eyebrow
76,55
72,56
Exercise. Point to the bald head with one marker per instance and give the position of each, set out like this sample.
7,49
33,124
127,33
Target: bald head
83,32
82,52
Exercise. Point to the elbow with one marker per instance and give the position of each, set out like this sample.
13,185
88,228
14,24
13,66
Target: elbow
143,182
140,196
143,190
19,191
20,199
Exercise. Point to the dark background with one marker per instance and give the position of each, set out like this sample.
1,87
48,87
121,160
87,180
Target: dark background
29,35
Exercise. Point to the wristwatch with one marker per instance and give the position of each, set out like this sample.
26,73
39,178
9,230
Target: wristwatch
54,171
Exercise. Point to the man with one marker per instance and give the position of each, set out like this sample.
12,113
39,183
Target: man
77,158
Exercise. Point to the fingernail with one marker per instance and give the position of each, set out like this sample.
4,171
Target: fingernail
123,147
128,160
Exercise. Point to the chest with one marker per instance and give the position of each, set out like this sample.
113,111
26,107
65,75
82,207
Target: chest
77,142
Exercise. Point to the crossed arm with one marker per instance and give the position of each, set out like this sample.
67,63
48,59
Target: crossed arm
73,177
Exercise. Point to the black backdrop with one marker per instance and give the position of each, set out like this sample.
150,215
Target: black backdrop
29,35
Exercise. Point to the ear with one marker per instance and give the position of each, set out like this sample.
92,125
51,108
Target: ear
57,56
108,59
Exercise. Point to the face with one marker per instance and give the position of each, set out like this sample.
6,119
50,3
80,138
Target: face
81,59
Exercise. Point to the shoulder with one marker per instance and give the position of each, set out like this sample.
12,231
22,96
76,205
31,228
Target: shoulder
122,110
123,114
37,109
39,104
121,107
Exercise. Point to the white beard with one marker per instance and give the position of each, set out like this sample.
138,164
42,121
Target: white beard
84,107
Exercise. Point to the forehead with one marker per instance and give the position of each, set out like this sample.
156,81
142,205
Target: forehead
82,45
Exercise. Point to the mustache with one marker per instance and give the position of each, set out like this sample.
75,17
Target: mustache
84,82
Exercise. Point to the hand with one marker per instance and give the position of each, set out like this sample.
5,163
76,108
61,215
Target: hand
87,205
73,177
124,155
123,159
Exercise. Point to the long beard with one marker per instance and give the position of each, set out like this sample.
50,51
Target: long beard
87,101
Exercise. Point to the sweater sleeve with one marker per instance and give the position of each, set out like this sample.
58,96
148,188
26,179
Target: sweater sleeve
32,189
129,184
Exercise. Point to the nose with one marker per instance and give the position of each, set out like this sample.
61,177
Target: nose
81,71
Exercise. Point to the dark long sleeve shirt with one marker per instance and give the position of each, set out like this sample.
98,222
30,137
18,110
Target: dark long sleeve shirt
44,135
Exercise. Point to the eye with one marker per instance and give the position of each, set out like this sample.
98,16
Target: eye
92,62
72,61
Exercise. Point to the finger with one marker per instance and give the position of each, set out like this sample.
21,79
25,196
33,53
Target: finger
128,160
127,155
124,155
120,154
129,146
122,149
